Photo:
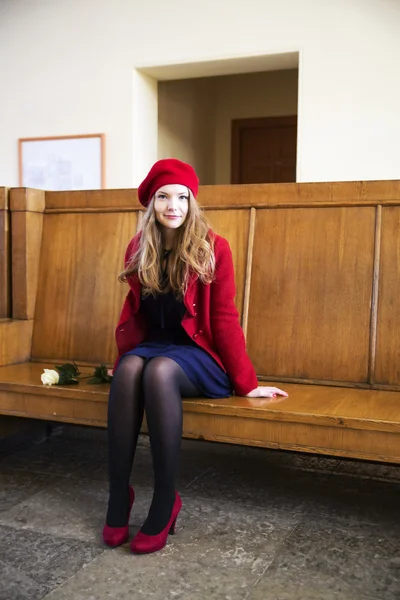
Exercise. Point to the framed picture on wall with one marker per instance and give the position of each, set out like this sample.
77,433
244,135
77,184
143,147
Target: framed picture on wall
72,162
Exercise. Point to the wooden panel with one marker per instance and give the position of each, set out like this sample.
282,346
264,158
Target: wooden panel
4,198
25,199
96,200
26,241
234,226
366,445
311,292
348,443
27,221
219,196
304,194
387,368
53,409
5,256
79,298
15,341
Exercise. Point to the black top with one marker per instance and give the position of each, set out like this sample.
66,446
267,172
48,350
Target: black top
164,313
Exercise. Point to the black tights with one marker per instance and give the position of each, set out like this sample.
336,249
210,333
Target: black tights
157,387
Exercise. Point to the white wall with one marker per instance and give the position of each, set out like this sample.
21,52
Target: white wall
186,117
66,67
195,116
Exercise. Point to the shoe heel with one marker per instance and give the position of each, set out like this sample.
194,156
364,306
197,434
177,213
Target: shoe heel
172,528
144,544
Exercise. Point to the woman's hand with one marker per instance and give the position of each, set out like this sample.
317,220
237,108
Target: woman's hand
263,391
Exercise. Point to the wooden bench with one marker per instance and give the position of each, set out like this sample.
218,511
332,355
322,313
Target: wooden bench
318,281
5,256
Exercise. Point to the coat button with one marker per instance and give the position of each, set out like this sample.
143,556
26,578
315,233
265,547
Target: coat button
195,336
195,314
200,332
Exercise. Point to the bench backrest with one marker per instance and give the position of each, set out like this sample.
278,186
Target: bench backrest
317,271
5,255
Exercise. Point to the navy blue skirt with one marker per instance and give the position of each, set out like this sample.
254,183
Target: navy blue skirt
202,370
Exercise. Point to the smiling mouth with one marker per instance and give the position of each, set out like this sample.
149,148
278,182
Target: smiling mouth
172,216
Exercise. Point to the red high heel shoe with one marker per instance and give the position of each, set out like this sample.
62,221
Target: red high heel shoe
144,544
115,536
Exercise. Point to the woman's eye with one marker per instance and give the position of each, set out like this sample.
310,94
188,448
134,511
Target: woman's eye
183,198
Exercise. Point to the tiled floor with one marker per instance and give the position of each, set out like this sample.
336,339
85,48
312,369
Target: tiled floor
255,525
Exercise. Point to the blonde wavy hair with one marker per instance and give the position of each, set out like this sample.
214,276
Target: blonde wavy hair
193,252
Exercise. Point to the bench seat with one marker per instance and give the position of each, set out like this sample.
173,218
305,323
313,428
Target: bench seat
341,421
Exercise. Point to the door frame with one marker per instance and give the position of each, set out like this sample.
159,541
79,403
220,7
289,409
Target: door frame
239,124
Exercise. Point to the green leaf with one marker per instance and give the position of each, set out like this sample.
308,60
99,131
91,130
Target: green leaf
100,375
67,379
68,369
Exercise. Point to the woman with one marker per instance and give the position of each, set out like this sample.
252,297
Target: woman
178,336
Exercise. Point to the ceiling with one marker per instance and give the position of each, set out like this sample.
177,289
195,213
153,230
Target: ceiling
229,66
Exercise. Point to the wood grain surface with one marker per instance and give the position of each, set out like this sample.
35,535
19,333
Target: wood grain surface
311,292
79,297
5,255
387,367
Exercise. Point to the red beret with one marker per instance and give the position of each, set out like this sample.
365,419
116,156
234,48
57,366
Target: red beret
165,172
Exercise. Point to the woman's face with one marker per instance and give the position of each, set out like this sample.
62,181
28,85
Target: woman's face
171,205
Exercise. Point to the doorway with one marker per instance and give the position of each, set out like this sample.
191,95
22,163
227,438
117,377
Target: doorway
186,110
264,150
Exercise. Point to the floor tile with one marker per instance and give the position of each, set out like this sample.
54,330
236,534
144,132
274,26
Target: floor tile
218,552
231,535
350,559
277,458
70,508
256,524
17,585
17,486
284,588
34,431
260,485
356,500
80,432
210,539
56,456
162,576
377,471
192,466
40,563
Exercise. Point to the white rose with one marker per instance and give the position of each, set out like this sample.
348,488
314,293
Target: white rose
50,377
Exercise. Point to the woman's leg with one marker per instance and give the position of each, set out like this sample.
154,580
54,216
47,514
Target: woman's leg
164,384
125,415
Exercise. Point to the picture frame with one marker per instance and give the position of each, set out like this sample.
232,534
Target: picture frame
69,162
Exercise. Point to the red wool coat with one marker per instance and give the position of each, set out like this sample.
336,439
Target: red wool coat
211,319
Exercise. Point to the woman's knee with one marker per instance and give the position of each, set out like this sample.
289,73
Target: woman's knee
160,371
130,366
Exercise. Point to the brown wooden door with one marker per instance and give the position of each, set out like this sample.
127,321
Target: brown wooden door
264,150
